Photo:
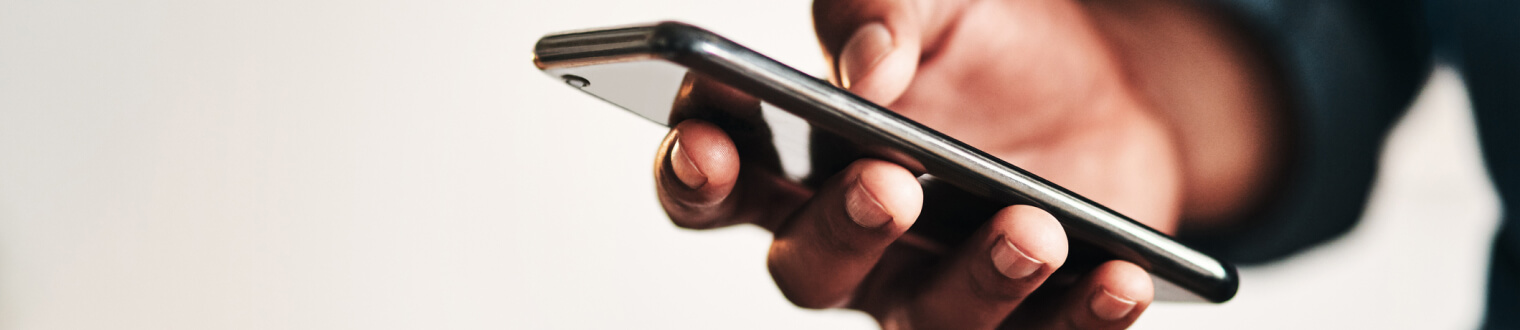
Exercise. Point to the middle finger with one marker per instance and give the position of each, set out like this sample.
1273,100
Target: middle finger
991,274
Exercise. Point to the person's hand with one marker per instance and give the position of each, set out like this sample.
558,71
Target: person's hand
1033,82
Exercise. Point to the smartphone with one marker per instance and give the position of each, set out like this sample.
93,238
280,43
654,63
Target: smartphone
653,70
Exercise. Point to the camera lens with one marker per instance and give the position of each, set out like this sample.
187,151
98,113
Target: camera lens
576,81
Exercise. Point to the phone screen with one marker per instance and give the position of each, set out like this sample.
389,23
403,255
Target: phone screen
664,92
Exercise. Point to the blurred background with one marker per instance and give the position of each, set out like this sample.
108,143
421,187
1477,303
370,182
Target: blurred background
402,165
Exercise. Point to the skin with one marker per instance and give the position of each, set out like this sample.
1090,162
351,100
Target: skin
1157,109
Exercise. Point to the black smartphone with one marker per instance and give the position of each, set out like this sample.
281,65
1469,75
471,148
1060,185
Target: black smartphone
817,127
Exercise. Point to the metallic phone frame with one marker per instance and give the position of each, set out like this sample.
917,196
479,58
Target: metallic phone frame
841,112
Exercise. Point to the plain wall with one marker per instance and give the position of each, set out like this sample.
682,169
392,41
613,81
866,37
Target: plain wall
402,165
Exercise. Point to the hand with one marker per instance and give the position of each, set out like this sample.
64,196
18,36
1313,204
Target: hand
1033,82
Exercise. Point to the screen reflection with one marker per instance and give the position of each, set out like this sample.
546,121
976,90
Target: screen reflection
667,94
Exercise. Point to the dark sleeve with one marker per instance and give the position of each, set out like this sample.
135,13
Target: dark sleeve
1350,69
1482,40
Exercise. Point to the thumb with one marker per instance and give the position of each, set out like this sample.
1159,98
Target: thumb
874,45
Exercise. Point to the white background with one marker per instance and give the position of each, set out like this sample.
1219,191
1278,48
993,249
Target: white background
402,165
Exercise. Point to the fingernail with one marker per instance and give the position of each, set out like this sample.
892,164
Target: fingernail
863,207
1108,306
865,49
685,169
1011,262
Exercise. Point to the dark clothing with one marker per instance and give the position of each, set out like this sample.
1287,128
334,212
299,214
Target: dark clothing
1351,68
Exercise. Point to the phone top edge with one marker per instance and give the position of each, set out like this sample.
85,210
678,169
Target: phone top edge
663,40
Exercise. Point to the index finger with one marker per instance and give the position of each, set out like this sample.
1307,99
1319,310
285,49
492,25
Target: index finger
718,166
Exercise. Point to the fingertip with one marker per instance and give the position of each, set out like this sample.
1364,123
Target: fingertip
994,273
875,45
1120,292
827,248
1126,281
695,170
877,64
1035,232
709,150
894,188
